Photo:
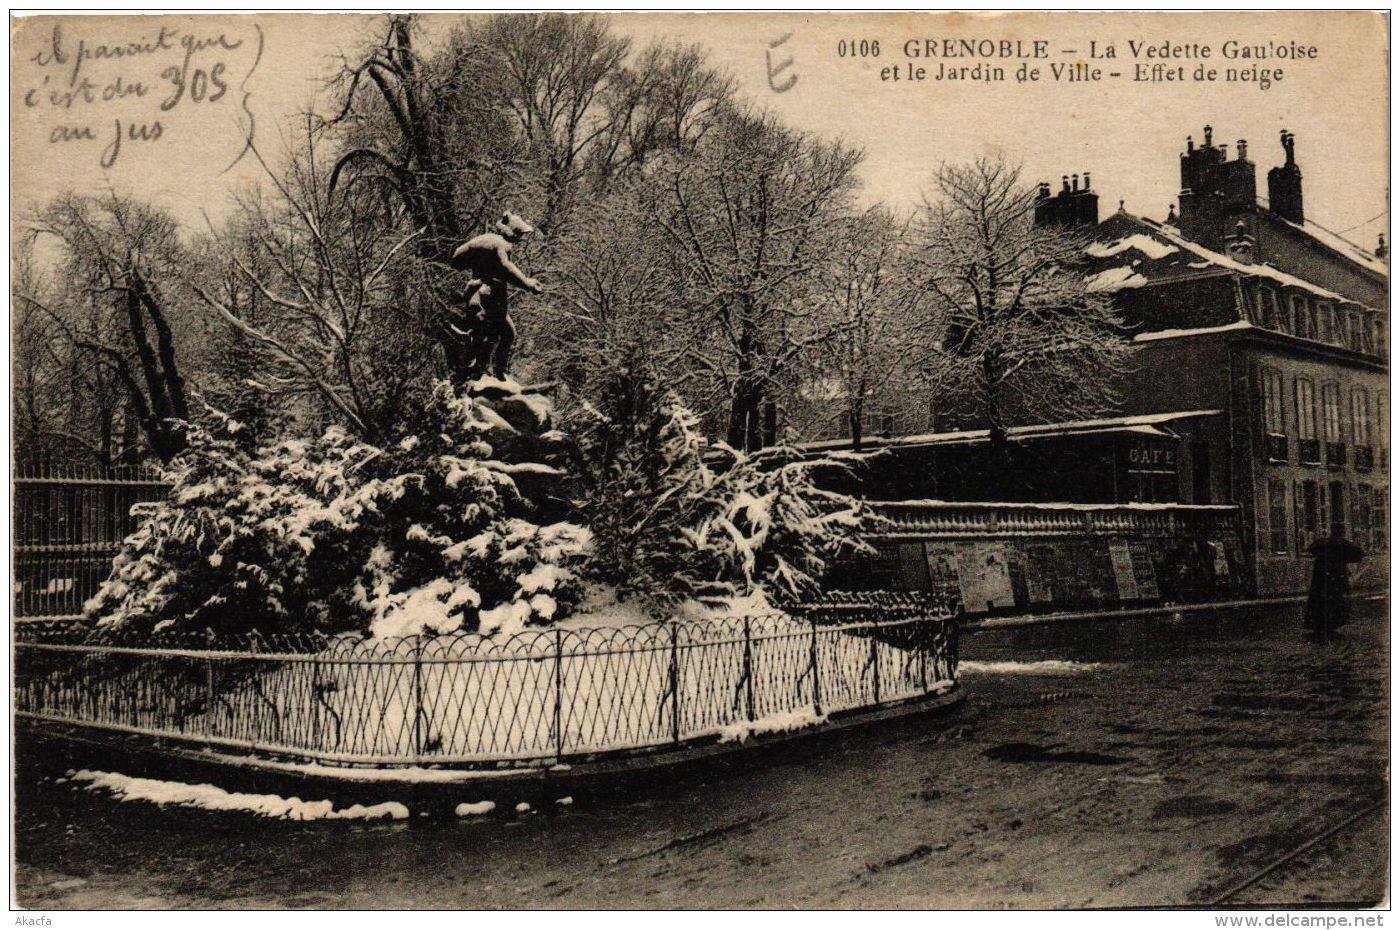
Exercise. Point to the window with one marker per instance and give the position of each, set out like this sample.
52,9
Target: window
1305,513
1354,340
1275,440
1332,412
1378,521
1383,427
1326,322
1361,427
1368,333
1249,299
1303,323
1268,307
1278,516
1305,401
1361,526
1379,346
1334,508
1306,398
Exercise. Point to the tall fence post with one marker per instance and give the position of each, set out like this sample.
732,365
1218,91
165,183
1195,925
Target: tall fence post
875,664
922,633
558,693
675,687
418,694
748,669
211,724
315,703
816,682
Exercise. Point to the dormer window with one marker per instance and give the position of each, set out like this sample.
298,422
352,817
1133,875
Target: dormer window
1326,323
1268,306
1303,324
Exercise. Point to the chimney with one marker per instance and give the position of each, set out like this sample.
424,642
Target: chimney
1381,250
1286,183
1075,205
1214,190
1240,246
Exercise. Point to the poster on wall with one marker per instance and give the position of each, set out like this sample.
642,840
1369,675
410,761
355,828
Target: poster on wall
1222,564
1143,573
1123,575
913,570
1039,567
942,561
986,582
1016,568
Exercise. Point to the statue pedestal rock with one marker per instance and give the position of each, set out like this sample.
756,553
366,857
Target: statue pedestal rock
525,433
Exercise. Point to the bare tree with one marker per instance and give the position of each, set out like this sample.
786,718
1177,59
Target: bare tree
317,286
1014,326
539,113
868,292
119,298
613,305
748,218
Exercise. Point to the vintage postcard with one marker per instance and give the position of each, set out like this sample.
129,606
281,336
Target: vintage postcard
700,461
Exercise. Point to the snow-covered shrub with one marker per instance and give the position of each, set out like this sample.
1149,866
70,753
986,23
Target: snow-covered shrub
676,516
336,534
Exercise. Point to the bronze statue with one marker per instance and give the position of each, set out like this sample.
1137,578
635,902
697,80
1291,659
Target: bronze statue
482,335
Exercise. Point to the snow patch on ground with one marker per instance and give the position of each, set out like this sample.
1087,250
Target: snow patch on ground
208,797
775,723
477,809
1042,667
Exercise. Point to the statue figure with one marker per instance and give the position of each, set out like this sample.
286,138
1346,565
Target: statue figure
482,336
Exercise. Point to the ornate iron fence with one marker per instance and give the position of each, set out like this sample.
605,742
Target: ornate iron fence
541,695
67,525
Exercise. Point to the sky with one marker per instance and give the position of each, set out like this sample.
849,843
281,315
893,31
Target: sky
1127,134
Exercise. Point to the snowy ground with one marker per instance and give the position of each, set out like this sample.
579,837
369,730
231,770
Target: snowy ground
1188,756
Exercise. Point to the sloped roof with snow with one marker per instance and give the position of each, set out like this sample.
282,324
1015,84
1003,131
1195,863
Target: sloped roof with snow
1145,424
1334,241
1133,251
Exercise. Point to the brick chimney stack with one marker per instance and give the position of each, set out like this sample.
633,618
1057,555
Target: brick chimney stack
1075,205
1286,183
1214,190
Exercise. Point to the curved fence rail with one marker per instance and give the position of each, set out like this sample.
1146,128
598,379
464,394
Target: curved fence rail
470,700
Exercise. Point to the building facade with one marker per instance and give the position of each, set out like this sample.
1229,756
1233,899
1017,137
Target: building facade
1261,381
1245,306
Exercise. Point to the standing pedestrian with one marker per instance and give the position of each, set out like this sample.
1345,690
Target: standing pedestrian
1327,595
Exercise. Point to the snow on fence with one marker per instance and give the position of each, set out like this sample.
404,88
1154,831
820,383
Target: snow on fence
541,695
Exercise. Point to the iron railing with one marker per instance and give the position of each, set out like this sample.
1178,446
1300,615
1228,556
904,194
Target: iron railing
68,523
959,520
469,700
